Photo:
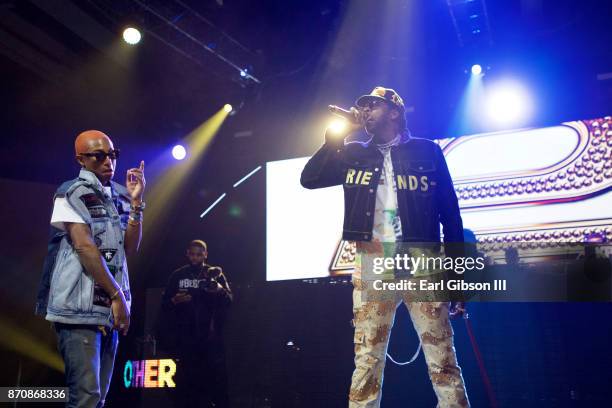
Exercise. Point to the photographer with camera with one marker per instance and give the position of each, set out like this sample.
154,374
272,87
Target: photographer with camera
196,299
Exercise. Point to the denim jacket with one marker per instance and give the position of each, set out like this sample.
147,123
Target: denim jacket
67,292
425,194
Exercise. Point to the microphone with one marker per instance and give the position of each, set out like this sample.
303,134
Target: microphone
343,113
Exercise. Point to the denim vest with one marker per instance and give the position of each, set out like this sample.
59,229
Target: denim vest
67,292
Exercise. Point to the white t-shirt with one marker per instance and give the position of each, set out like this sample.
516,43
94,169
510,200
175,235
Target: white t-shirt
63,212
387,226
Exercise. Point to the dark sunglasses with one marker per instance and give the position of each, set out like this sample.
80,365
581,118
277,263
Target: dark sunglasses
373,103
101,156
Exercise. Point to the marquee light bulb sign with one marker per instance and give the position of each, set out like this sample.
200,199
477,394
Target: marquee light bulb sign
149,373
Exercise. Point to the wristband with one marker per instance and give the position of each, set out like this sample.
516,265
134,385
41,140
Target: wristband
135,217
115,294
138,208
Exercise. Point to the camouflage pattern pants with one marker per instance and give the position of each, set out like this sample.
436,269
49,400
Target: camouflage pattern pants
373,322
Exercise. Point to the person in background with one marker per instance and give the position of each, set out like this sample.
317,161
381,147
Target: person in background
196,300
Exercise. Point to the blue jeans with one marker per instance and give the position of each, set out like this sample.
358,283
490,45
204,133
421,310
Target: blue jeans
89,357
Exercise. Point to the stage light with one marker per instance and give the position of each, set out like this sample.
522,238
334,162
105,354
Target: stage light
243,73
171,177
131,36
227,108
337,125
507,103
179,152
476,69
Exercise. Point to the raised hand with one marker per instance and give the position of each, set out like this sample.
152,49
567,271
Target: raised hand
135,182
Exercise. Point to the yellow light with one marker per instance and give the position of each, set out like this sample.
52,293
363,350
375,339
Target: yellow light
167,369
16,339
337,125
170,183
131,35
227,108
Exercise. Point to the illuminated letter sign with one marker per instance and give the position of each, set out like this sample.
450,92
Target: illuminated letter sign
149,373
128,373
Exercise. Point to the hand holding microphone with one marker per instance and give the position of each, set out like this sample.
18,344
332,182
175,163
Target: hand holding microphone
353,115
354,118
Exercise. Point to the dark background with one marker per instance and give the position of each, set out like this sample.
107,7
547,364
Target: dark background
64,69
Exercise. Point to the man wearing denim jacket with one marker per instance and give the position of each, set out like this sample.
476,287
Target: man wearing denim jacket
397,192
85,287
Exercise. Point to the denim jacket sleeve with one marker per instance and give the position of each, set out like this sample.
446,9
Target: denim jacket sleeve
324,169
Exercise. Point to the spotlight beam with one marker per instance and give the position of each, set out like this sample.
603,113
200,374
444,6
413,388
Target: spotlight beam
236,184
168,181
467,117
15,338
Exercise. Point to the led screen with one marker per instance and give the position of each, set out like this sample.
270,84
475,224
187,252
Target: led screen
548,184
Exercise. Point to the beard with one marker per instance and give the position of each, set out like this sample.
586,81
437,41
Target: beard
371,127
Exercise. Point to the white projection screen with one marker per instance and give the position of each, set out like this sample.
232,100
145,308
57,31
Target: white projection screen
550,183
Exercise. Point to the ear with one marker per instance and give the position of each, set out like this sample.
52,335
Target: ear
394,113
79,160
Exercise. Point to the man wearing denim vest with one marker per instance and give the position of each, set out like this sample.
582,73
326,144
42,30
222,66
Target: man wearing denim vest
85,288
